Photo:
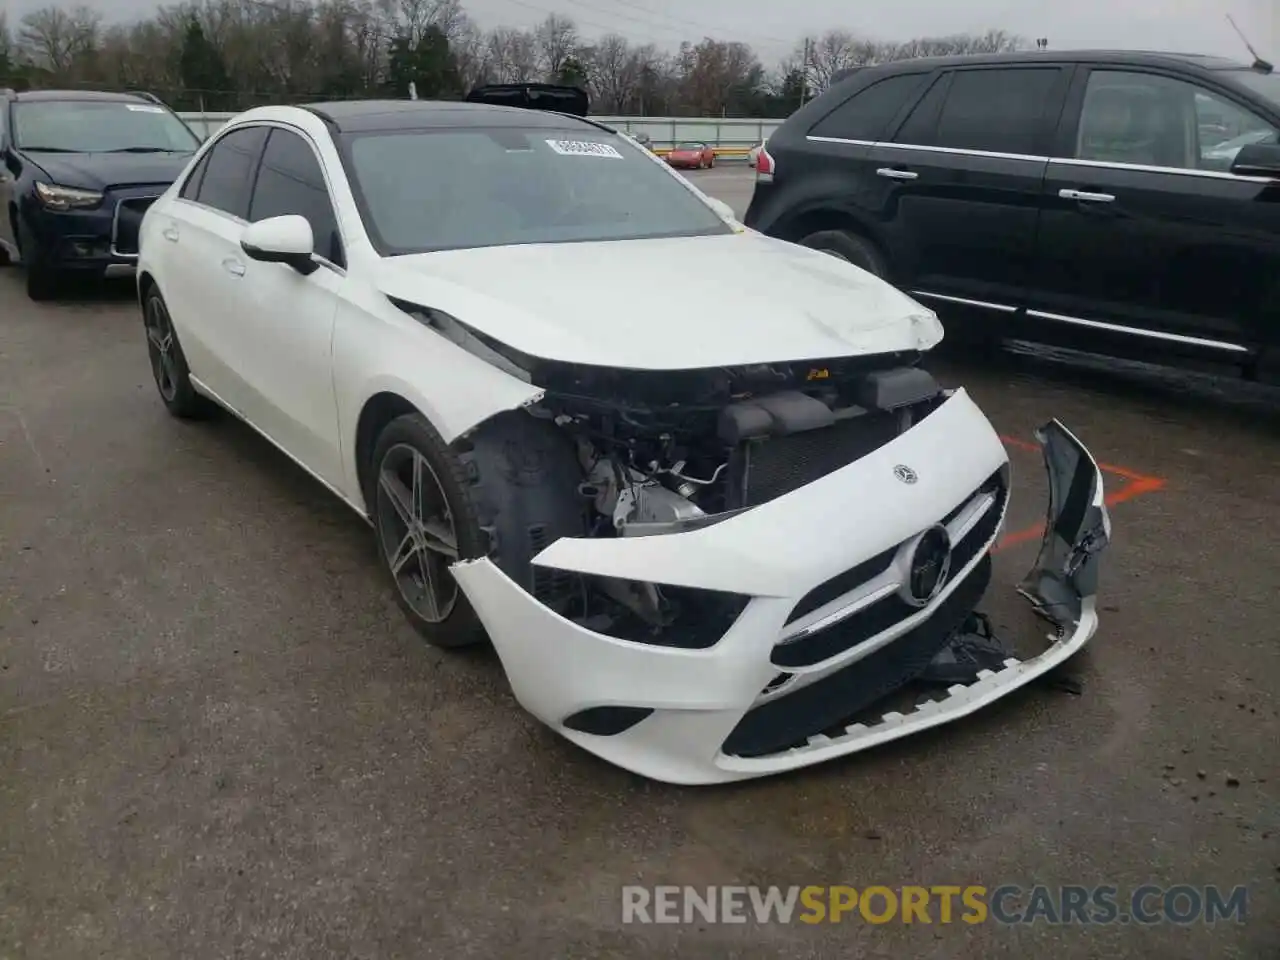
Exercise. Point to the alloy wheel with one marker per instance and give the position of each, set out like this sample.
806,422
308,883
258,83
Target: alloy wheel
415,528
160,347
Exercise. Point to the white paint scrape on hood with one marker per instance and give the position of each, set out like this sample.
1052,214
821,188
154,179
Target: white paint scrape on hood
666,304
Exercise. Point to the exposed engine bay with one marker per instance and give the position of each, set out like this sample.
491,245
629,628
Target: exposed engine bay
666,451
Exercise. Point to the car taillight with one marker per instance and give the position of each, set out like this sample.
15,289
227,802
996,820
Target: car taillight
764,167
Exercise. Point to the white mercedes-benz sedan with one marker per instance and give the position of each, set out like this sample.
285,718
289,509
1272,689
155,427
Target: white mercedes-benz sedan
714,532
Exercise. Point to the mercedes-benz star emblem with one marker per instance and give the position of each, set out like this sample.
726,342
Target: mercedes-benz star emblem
905,473
928,566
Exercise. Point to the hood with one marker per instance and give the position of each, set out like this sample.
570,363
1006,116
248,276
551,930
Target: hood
672,304
99,171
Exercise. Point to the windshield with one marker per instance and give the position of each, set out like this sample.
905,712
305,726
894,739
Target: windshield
1264,84
430,190
99,126
691,146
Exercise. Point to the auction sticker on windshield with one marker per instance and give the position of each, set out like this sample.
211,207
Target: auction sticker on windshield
583,148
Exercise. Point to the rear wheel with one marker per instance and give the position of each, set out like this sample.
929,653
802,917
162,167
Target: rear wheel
168,363
849,247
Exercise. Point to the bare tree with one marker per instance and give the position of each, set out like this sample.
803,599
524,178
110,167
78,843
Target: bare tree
8,50
615,73
512,55
272,50
411,18
557,40
714,71
992,41
54,38
471,53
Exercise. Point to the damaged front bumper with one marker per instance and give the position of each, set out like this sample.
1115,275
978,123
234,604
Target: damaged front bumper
843,609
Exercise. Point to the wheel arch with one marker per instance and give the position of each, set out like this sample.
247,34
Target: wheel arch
809,220
145,282
378,411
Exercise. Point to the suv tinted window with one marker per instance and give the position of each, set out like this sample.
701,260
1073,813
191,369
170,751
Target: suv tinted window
997,110
866,114
920,125
1157,121
290,182
229,171
191,189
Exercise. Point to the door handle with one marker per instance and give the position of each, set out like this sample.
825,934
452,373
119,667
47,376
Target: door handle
893,173
1086,196
233,267
170,234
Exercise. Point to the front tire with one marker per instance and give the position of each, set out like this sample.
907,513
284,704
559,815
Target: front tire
849,247
42,279
168,362
505,493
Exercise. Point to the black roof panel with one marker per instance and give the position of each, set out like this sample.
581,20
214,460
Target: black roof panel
371,116
1202,61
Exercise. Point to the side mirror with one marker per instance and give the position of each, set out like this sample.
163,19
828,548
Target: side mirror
285,239
722,208
1257,160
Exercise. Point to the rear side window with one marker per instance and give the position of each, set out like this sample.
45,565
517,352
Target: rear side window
228,175
1001,111
867,114
922,122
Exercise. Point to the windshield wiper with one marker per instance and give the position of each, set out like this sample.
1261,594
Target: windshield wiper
47,149
142,150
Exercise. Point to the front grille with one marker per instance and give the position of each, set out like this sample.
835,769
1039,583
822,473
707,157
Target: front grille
128,221
877,617
828,705
776,466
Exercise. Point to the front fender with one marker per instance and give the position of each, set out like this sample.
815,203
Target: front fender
380,349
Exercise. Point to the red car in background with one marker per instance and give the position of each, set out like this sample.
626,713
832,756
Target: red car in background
693,155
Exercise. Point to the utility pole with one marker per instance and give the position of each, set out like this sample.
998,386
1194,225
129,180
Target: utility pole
805,58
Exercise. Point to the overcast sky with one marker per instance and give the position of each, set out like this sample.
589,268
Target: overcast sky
772,26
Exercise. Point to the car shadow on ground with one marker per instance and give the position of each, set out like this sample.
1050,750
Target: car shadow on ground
82,290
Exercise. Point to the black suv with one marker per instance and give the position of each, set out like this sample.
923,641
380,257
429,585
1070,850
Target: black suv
77,172
1116,201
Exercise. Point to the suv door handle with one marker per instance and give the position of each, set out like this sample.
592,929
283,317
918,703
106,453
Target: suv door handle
1086,196
233,267
893,173
170,234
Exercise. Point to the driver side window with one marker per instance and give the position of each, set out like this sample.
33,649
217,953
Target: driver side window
290,181
1157,121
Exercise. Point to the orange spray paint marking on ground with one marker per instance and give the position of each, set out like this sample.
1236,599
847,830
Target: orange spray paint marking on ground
1136,485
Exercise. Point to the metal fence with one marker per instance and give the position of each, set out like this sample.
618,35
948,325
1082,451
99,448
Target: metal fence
732,138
